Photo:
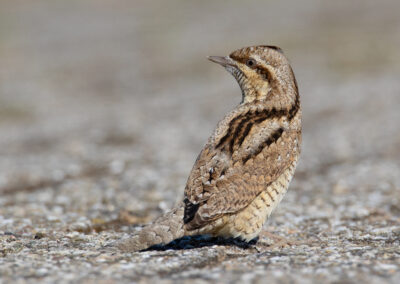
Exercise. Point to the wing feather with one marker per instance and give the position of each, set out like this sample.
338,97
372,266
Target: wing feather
222,182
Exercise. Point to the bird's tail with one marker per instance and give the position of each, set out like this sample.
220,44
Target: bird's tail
162,231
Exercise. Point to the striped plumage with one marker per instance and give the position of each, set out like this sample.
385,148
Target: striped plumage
246,166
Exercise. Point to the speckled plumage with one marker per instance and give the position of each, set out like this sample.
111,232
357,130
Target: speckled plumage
245,168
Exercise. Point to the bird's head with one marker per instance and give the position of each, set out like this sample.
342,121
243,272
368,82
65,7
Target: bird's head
263,73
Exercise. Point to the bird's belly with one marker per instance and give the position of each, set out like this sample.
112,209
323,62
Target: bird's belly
248,223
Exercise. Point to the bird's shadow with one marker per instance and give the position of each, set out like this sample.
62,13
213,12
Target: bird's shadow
199,241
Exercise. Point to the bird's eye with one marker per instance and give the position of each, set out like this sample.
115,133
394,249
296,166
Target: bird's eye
251,63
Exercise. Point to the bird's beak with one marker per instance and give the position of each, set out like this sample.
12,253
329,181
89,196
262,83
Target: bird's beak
222,60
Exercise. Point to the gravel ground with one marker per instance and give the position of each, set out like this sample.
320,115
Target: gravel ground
104,106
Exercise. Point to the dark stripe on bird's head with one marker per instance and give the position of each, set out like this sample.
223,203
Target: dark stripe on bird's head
277,48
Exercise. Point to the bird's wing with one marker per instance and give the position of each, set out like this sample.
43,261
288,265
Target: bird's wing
223,182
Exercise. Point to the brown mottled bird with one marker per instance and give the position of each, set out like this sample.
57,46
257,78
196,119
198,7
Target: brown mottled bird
245,168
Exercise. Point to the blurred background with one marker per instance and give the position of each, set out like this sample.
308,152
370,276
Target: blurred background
104,105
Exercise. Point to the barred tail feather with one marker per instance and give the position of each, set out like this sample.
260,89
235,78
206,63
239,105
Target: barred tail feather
162,231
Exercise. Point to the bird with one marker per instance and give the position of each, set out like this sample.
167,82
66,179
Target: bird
247,164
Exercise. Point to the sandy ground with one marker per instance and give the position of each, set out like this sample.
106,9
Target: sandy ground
104,106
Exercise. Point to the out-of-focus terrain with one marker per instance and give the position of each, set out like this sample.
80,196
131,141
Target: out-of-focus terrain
104,106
